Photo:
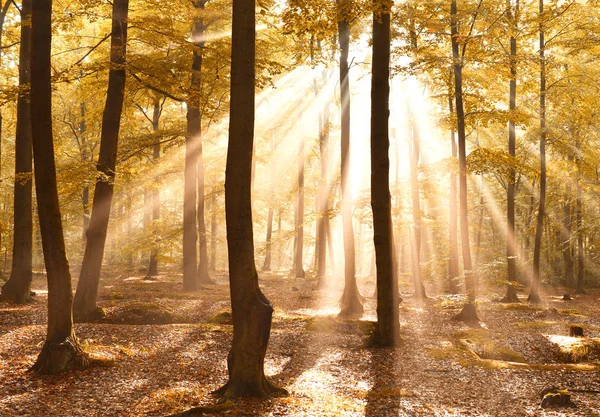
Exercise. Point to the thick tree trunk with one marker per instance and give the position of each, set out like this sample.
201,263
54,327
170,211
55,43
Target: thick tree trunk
18,288
453,268
153,262
251,310
350,303
387,328
469,309
534,294
84,308
61,350
511,241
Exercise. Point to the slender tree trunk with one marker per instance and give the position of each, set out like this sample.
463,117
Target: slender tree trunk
192,149
387,329
350,303
213,230
84,308
251,310
511,241
198,33
566,238
453,269
534,295
153,262
323,196
580,253
4,10
299,216
269,246
415,153
85,194
469,311
18,288
61,350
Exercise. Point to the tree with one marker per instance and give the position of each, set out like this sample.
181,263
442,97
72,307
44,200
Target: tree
251,310
387,328
511,242
534,294
61,350
453,270
156,113
18,288
469,311
84,308
194,128
350,303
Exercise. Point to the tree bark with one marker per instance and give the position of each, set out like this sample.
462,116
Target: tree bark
251,310
195,120
350,302
511,241
84,308
387,329
580,254
453,268
462,168
213,230
18,288
61,350
153,262
566,232
299,215
534,295
85,194
415,153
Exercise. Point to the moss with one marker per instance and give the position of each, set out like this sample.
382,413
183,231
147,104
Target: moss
520,307
145,313
222,317
534,324
390,392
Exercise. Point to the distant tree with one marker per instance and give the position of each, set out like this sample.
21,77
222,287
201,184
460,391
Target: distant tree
156,113
251,310
350,303
388,328
85,308
17,289
61,349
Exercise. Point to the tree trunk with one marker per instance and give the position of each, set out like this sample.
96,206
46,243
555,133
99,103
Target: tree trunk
511,242
84,308
194,128
251,310
299,216
387,329
566,230
534,295
323,196
350,303
153,262
61,350
213,230
415,153
85,194
462,170
580,253
453,269
18,288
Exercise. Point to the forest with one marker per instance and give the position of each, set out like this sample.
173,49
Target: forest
299,208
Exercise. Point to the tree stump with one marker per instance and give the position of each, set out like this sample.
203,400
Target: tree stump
576,331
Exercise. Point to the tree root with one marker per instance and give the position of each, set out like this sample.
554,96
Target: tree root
94,315
57,357
468,314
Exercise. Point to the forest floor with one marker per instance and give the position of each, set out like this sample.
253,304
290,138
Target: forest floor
443,367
